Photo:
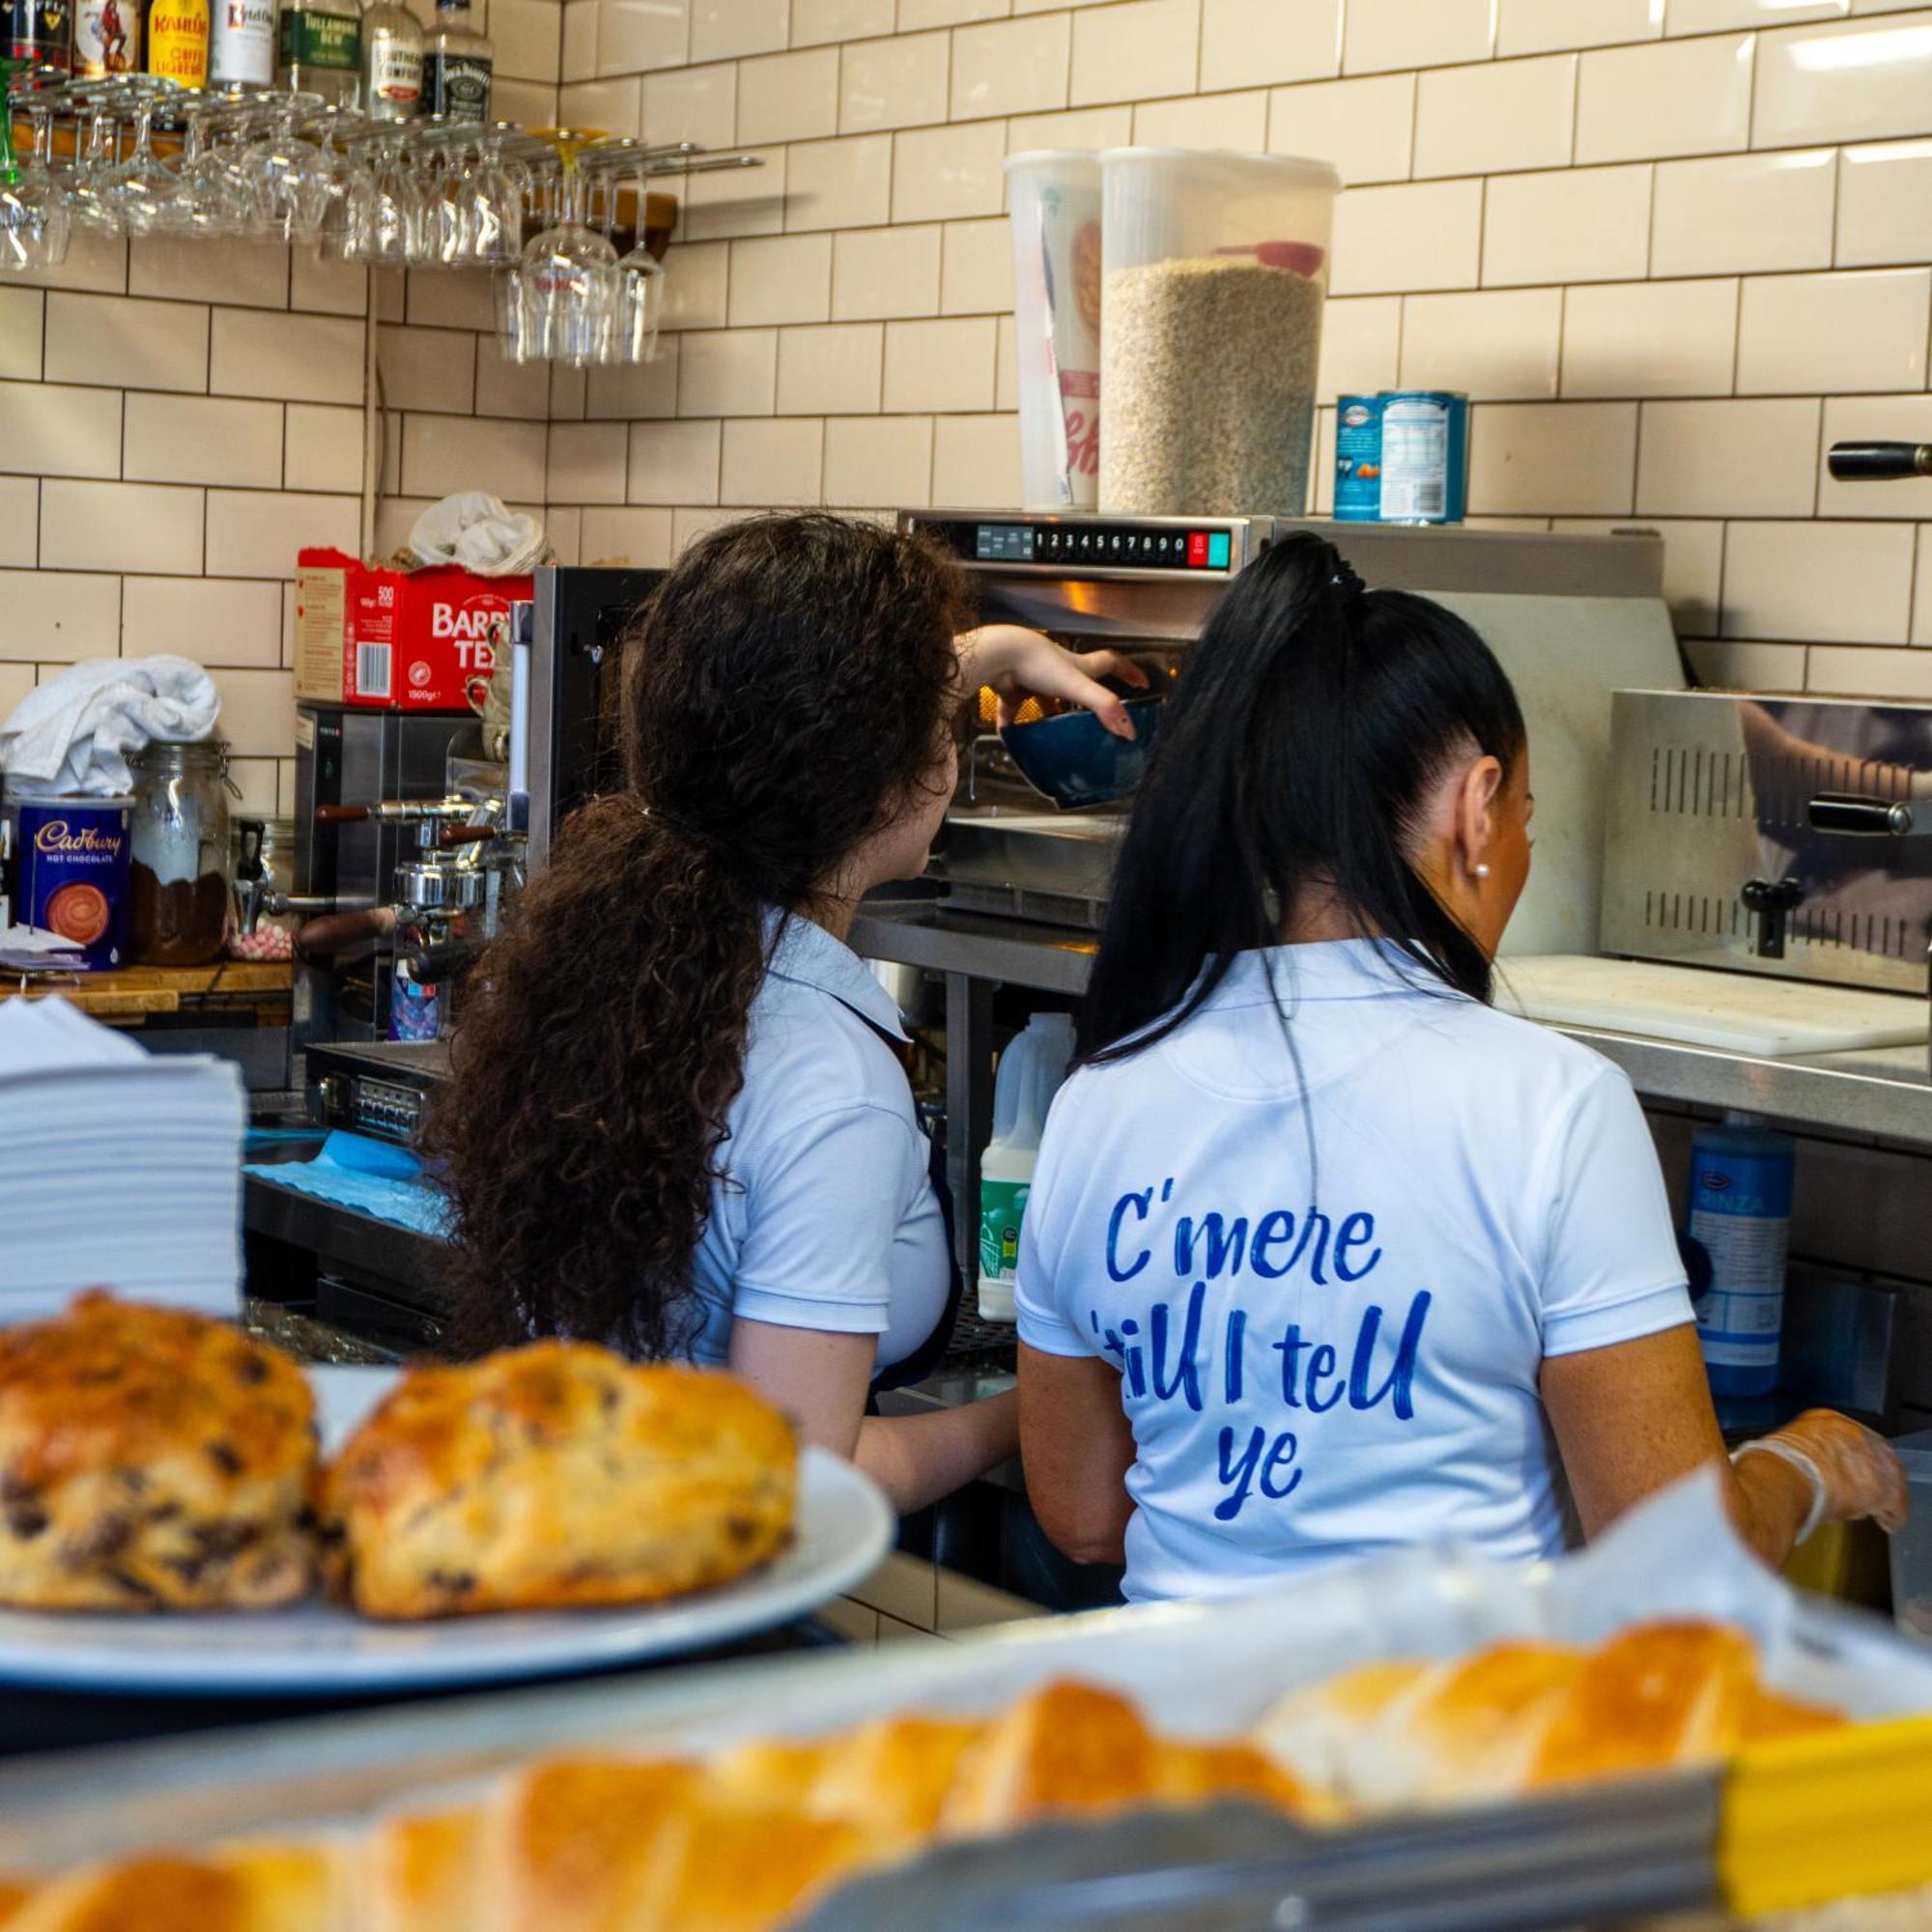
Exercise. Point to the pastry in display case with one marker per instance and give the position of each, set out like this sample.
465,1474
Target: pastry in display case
150,1459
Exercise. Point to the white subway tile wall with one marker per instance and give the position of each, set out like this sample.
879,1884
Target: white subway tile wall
734,201
176,422
1671,247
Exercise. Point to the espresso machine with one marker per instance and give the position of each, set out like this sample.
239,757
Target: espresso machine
1570,618
413,835
373,795
412,830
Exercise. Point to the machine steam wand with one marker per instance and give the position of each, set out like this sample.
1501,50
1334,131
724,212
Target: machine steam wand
464,861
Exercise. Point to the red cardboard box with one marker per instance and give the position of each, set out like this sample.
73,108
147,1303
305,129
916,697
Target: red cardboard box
395,639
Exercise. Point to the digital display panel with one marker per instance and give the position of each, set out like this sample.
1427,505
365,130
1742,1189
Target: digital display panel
1127,546
1003,543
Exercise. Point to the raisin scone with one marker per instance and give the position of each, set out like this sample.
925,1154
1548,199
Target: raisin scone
150,1460
555,1475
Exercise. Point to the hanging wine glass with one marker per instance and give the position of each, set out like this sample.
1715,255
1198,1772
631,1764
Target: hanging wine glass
335,233
37,169
35,222
641,294
495,202
85,177
291,177
446,233
141,188
385,215
198,207
567,276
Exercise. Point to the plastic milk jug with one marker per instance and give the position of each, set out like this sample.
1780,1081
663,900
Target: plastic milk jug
1030,1072
1741,1176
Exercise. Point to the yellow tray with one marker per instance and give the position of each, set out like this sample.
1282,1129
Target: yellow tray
1810,1819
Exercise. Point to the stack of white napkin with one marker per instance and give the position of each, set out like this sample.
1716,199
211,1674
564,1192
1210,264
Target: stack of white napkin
118,1169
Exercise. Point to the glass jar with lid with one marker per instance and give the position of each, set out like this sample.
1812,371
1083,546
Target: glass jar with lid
178,848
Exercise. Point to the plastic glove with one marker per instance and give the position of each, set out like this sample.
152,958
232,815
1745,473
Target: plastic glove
1862,1476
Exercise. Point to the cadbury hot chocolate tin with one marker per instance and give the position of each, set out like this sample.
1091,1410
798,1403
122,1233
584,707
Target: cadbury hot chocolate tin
71,872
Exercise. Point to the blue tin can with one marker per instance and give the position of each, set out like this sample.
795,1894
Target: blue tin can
1358,459
1425,456
71,872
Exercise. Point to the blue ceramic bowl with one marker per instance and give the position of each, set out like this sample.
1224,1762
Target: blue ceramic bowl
1075,759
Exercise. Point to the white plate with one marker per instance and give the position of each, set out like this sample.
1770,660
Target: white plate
318,1649
344,1395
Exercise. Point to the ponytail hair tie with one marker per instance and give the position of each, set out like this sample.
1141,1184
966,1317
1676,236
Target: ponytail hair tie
1345,581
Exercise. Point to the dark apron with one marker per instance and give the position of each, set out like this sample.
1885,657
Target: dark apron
924,1360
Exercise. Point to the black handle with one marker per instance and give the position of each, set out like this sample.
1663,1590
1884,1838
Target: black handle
1873,461
1772,894
248,862
1857,815
1774,901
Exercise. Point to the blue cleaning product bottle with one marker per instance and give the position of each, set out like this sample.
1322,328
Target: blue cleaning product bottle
1741,1176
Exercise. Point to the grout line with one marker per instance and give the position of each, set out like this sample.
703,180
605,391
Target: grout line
1649,234
1575,105
1817,454
1737,331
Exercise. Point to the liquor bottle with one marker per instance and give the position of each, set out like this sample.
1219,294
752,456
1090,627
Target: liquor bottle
457,66
40,32
319,49
241,43
106,38
392,61
178,42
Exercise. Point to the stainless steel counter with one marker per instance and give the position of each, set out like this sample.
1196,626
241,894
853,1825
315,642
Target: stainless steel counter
954,1387
1882,1092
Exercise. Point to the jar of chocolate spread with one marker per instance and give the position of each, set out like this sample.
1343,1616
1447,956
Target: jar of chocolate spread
178,880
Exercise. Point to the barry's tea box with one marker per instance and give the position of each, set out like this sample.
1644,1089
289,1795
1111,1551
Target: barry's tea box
395,639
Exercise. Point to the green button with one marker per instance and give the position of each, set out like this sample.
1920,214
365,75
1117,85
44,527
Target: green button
1217,549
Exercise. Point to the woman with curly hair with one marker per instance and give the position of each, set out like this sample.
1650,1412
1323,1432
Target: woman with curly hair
677,1122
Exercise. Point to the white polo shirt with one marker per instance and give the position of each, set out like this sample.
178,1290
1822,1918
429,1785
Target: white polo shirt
826,1218
1329,1288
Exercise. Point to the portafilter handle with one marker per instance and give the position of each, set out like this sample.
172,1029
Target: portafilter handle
396,811
1878,462
1857,815
261,900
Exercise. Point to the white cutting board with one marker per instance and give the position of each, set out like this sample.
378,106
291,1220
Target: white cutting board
1773,1019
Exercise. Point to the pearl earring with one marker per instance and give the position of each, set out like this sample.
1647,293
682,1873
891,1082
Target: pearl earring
1482,870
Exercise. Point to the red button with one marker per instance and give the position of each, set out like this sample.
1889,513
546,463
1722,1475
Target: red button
1197,549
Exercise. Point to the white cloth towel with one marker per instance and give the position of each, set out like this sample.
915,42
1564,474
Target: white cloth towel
70,736
481,533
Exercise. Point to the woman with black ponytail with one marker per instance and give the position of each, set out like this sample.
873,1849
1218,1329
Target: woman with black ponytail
677,1123
1324,1255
